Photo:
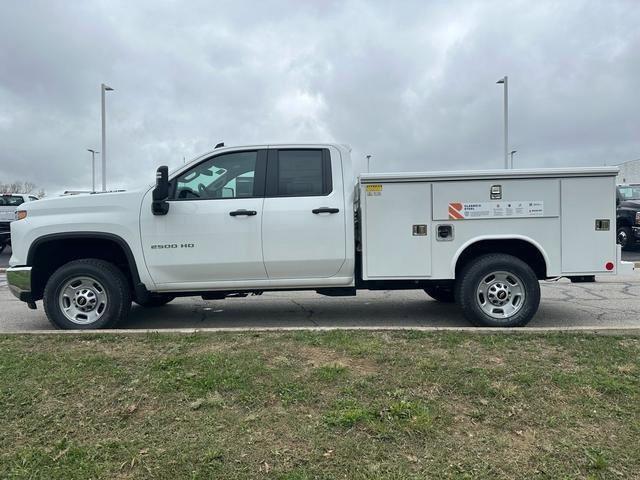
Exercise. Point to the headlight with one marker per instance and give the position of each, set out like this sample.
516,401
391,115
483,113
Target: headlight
21,214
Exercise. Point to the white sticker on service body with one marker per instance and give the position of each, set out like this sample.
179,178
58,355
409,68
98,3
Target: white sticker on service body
462,210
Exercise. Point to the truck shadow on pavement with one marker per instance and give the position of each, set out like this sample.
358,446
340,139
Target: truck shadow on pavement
310,312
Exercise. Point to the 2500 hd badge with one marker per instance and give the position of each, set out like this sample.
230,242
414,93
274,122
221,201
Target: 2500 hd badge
172,245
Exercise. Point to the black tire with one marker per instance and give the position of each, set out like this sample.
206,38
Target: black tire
2,247
154,301
624,238
111,281
478,272
441,293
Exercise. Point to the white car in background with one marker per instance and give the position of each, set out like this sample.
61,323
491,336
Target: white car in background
9,202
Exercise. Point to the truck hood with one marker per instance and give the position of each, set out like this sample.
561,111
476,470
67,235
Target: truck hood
94,202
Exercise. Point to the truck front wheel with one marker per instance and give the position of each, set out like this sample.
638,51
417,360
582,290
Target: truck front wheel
87,294
498,290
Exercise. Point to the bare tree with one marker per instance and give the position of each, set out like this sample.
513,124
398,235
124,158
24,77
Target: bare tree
21,187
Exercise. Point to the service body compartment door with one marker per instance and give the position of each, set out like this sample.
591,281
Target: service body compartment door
584,201
396,230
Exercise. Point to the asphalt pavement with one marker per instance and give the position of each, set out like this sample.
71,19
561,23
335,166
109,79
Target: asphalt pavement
612,302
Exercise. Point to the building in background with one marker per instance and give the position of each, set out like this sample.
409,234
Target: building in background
629,172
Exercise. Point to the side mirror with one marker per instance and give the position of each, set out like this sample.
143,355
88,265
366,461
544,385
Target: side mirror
160,206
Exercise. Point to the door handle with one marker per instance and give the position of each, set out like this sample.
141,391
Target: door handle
325,210
248,213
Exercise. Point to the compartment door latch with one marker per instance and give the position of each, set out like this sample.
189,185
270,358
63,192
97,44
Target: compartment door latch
419,230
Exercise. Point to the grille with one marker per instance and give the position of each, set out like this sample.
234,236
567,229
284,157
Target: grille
4,227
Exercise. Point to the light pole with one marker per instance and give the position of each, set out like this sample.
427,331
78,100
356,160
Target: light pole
368,163
511,153
505,82
104,88
93,169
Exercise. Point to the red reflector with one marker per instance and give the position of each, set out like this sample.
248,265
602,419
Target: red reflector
609,266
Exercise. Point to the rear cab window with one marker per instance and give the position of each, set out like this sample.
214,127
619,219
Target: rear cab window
299,173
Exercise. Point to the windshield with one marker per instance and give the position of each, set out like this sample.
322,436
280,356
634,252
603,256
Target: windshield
629,192
11,200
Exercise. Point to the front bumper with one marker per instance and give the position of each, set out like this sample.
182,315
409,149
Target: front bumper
19,281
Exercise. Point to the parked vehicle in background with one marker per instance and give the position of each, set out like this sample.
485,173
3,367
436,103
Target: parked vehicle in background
245,220
628,215
9,202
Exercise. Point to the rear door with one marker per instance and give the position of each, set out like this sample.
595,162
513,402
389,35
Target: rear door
303,227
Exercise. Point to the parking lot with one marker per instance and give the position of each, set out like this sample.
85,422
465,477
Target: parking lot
610,302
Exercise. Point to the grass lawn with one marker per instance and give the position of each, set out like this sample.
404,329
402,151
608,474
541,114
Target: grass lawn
349,405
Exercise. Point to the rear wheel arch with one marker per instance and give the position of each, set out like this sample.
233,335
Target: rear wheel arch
520,247
49,252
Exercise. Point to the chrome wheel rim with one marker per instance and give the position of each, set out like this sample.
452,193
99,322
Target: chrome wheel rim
83,300
500,295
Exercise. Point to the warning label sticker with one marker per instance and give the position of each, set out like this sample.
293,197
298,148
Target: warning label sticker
373,190
459,211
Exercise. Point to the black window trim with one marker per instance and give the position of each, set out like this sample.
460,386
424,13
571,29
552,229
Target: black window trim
272,173
258,176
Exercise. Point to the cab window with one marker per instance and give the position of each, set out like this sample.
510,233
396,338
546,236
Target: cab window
299,173
230,175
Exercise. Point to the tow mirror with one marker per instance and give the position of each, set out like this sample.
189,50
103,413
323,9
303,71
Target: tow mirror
160,206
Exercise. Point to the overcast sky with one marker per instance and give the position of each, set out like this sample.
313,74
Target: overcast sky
410,82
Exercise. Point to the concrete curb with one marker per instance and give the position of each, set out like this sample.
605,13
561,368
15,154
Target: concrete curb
632,331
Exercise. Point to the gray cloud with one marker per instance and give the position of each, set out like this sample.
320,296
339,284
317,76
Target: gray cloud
411,82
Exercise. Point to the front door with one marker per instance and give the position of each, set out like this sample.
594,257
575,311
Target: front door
304,214
212,231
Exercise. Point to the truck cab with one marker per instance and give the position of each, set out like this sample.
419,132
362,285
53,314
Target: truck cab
280,216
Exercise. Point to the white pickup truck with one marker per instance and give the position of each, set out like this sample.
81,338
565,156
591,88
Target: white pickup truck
246,220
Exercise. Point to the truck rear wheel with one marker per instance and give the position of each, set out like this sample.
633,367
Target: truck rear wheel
498,290
87,294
